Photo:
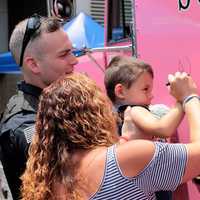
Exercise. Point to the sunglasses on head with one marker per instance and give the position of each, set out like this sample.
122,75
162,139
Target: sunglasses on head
32,26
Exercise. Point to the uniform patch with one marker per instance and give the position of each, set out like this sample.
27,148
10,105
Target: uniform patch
28,132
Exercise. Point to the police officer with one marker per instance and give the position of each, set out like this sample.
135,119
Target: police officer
43,50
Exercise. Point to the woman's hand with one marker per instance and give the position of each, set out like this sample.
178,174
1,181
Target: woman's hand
181,85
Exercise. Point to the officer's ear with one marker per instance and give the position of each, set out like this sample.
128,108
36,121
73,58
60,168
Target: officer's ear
31,64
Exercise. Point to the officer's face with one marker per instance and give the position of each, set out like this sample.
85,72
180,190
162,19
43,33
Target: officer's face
57,57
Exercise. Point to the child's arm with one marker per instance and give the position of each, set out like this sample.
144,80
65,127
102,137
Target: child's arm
163,127
129,130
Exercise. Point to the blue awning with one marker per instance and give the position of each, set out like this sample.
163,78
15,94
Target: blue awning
83,31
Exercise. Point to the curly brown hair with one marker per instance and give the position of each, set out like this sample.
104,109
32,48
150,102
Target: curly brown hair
73,114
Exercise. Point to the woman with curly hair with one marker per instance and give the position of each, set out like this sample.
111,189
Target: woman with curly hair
75,154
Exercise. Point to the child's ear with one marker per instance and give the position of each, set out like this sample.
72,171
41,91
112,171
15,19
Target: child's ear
119,91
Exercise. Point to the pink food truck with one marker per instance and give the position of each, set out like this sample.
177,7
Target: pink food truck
164,33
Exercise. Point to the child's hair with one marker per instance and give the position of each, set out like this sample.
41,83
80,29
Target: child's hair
124,70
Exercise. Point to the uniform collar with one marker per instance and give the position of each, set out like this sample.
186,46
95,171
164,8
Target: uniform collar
29,89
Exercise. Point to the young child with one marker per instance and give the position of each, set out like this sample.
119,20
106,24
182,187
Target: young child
129,82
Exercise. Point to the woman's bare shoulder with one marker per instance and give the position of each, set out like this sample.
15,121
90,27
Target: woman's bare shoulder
134,156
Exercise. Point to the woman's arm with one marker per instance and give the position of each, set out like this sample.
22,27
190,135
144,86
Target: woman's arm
192,110
181,87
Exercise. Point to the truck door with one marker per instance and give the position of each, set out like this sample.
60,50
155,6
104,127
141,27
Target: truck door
168,38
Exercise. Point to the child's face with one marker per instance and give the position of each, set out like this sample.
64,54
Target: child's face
140,92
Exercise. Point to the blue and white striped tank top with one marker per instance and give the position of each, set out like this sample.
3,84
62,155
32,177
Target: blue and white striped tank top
164,172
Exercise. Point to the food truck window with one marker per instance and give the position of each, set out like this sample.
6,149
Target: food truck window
119,19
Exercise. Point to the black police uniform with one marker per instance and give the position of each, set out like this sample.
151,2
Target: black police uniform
17,128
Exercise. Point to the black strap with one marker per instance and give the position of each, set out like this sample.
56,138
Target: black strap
122,108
